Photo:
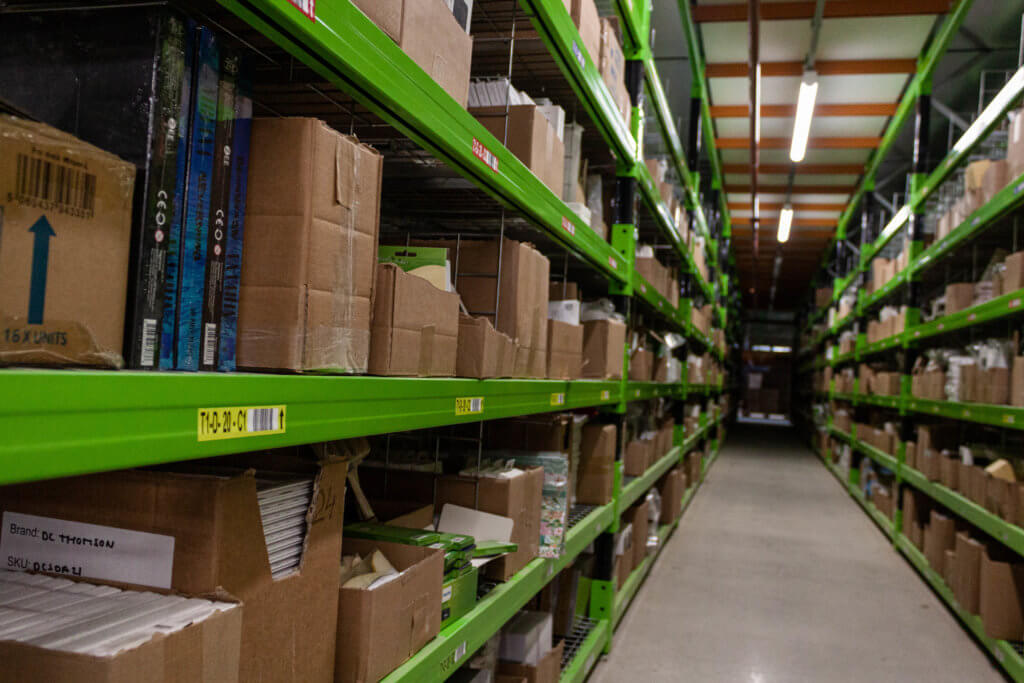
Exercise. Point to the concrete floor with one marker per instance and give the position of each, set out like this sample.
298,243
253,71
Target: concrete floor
776,575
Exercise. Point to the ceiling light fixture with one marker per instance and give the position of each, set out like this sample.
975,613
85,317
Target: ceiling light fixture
785,223
804,114
757,105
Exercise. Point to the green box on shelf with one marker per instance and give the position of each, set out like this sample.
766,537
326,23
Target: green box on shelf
458,594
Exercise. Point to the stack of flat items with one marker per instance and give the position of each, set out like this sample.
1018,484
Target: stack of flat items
283,506
100,621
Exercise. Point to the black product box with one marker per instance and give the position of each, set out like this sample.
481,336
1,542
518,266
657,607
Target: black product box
118,79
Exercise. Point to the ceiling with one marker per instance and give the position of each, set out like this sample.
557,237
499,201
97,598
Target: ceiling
865,57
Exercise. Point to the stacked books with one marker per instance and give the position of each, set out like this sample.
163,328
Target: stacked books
100,621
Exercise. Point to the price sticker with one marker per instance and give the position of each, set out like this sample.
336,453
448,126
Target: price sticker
558,399
470,405
606,395
238,422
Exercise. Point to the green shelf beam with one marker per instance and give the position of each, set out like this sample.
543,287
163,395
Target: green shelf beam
675,317
880,520
1003,652
439,658
65,423
883,459
1009,417
344,47
1004,306
588,653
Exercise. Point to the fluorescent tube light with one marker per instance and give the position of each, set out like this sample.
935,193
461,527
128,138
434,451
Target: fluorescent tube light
785,223
804,114
898,220
757,105
993,111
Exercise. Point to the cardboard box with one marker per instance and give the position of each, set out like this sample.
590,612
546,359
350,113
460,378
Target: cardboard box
530,137
597,464
603,349
1013,276
526,637
63,271
637,458
588,23
949,471
997,175
428,32
547,670
672,487
637,517
1017,382
518,498
959,296
939,537
523,304
1001,594
565,350
641,366
967,575
623,552
288,623
310,254
482,350
1015,144
206,651
415,326
381,628
613,72
563,291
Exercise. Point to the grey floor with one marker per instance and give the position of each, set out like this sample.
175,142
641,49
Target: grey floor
776,575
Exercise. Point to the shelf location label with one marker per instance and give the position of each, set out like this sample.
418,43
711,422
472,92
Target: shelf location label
239,422
469,405
307,7
568,226
485,155
558,399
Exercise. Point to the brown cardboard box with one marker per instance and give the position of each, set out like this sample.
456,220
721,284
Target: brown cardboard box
523,304
613,71
565,350
1017,382
548,669
623,560
939,537
637,457
603,349
588,23
959,296
822,297
880,268
997,175
641,366
480,349
672,487
288,624
1001,594
994,386
949,471
929,464
967,575
910,514
381,628
1001,498
428,32
597,464
949,566
1015,144
203,652
530,137
1013,276
415,326
883,501
78,318
310,254
637,516
518,498
563,290
977,483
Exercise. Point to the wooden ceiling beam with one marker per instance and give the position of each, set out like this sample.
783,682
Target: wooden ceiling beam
797,206
797,222
797,189
835,9
814,143
824,67
788,111
801,169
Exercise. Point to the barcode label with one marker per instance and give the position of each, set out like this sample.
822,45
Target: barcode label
485,155
558,399
307,7
469,406
460,651
568,226
240,422
55,186
148,342
209,343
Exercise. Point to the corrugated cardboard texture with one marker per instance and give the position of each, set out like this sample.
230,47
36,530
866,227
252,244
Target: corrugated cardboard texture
288,625
1001,595
597,464
381,628
565,350
428,32
637,457
530,137
637,516
310,249
641,366
588,23
415,326
548,669
518,498
523,305
482,349
207,652
939,537
967,575
603,349
672,487
63,270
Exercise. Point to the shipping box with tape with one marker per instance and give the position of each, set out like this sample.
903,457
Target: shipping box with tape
530,137
310,254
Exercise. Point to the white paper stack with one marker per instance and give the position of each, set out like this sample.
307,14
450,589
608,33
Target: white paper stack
101,621
283,506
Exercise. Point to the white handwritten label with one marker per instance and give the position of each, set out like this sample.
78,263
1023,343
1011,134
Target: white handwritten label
57,546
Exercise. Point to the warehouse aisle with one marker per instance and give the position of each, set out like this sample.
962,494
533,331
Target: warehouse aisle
775,574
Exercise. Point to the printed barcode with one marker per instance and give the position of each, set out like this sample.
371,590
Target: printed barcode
148,342
460,651
209,344
307,7
261,420
475,405
49,182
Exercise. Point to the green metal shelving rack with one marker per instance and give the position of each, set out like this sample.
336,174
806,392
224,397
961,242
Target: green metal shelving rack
62,423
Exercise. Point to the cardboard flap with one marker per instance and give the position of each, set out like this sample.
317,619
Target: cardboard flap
345,157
